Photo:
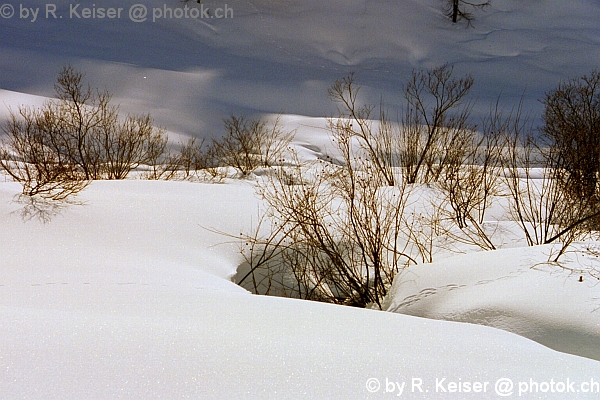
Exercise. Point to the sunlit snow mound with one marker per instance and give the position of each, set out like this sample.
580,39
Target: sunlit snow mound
517,290
126,293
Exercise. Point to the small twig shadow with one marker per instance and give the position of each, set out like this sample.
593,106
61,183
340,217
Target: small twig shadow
41,209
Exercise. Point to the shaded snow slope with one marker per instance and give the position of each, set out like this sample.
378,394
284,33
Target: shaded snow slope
280,56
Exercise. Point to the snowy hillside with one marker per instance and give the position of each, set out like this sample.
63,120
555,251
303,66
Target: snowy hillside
126,291
281,56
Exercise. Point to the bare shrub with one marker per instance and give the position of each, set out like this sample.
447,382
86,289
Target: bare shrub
469,182
380,145
191,157
129,144
334,235
421,228
341,232
250,144
190,161
75,138
435,124
572,130
335,228
544,205
338,232
458,10
29,159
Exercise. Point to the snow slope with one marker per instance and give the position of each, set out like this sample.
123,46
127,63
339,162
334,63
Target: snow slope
281,56
124,295
511,289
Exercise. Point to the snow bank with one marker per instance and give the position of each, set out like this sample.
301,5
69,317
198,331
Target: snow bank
125,295
513,289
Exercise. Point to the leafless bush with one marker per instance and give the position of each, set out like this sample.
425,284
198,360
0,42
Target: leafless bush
129,144
74,138
191,157
435,125
458,10
335,233
341,232
380,145
250,144
192,160
544,205
335,228
469,182
29,159
420,231
333,236
572,130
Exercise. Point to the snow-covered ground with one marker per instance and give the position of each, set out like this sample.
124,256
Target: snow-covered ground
127,292
124,294
512,289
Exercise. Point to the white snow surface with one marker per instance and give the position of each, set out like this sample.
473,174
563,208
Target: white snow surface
125,294
513,289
